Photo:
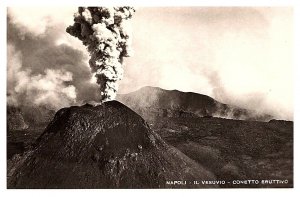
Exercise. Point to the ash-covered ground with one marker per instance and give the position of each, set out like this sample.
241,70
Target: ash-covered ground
231,150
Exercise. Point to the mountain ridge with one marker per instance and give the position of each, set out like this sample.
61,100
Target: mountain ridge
150,98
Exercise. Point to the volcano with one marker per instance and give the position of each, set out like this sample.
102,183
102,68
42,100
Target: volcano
104,146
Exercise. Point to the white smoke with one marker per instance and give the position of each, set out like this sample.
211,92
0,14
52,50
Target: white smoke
107,34
37,20
48,89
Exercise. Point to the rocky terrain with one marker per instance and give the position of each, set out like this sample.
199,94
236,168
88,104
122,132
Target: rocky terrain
227,149
24,125
108,146
234,149
28,117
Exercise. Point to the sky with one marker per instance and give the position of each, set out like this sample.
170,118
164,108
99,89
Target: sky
237,55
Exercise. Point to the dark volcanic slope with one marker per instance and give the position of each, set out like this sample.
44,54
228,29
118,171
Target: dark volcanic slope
152,101
107,146
234,149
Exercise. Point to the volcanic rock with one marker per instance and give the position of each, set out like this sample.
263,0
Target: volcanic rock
105,146
234,149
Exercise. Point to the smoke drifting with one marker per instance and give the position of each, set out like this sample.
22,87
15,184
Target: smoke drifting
41,72
48,89
106,33
38,89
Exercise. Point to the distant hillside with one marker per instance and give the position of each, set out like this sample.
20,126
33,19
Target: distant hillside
15,119
23,117
151,102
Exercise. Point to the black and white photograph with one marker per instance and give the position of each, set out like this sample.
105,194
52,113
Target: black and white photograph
149,97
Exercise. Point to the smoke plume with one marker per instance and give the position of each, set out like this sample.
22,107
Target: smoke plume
49,89
36,58
106,33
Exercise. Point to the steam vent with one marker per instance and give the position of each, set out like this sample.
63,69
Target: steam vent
107,146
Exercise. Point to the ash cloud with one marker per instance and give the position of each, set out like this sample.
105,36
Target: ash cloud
106,33
40,72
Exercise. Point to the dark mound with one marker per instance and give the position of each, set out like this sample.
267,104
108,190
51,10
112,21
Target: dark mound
151,102
107,146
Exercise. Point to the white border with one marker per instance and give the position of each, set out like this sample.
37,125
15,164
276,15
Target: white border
177,192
